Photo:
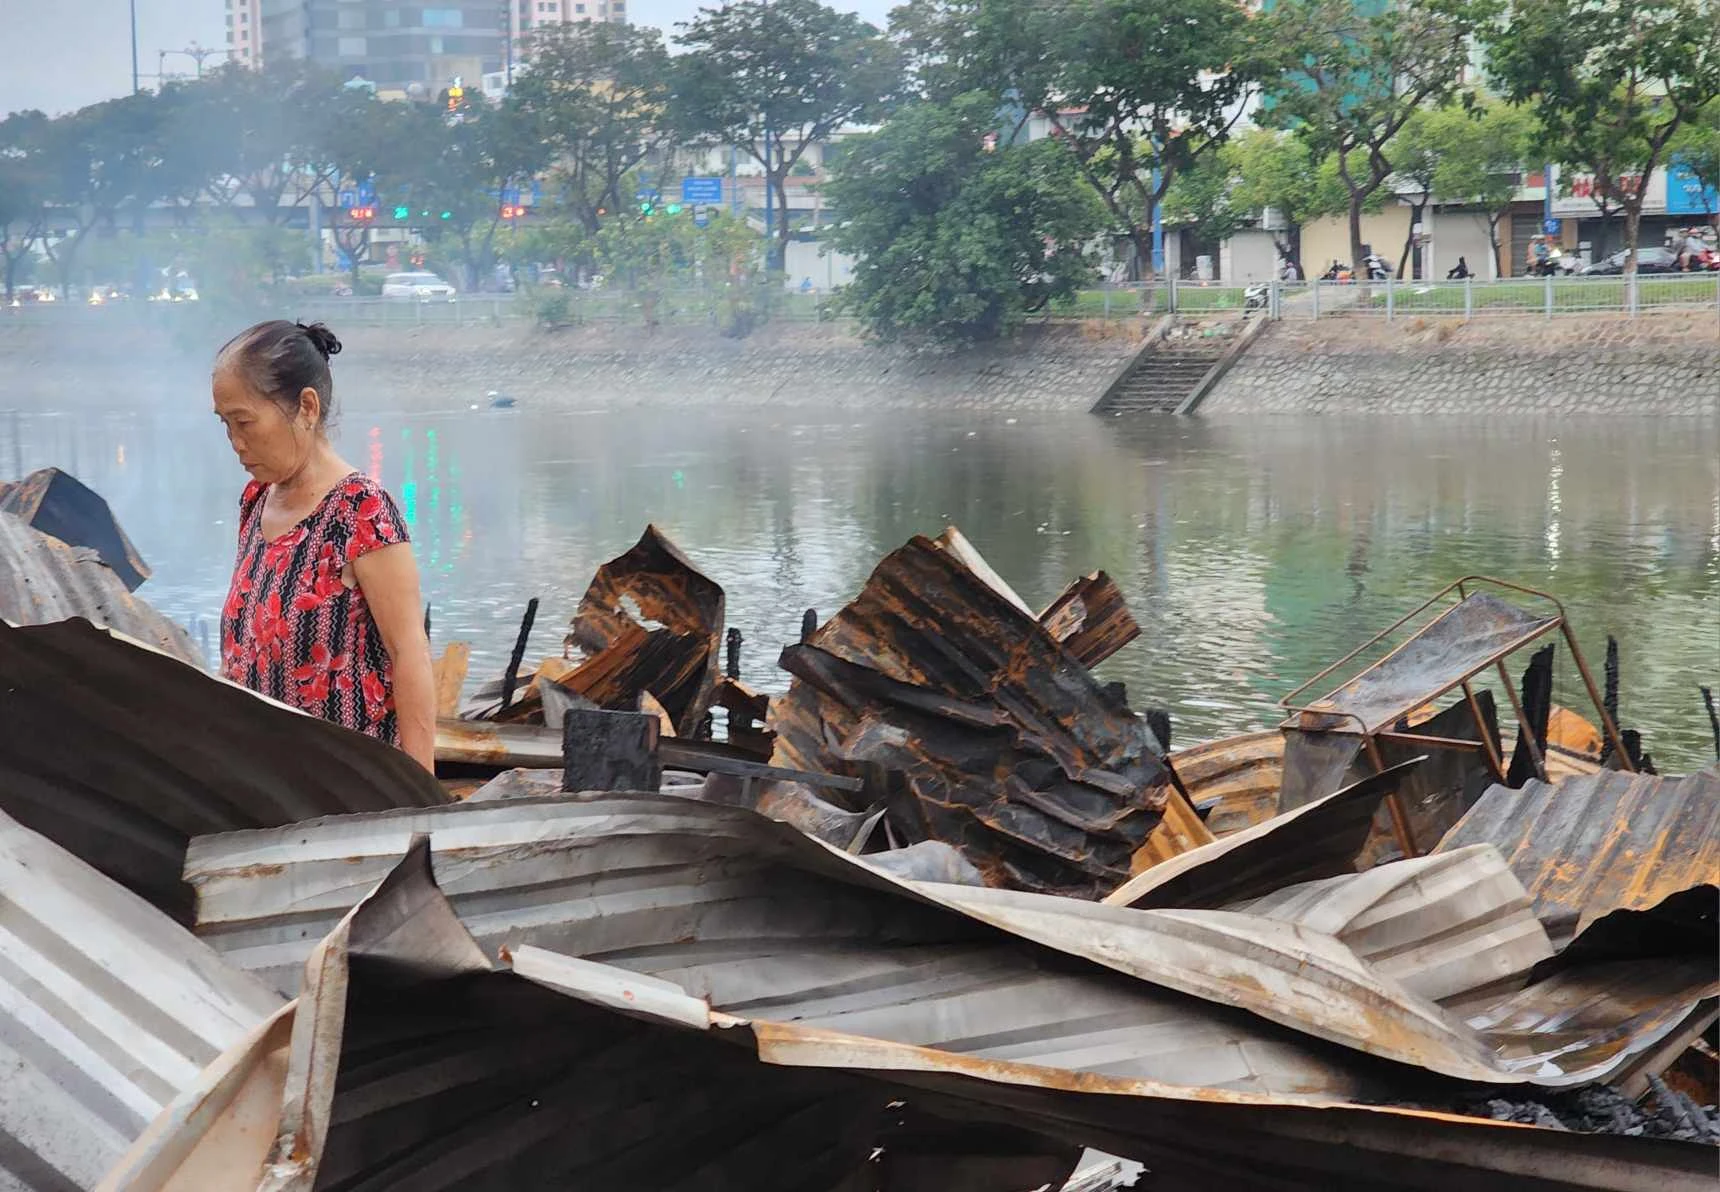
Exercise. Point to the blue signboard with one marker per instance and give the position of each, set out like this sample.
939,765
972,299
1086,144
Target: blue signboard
702,190
347,200
1550,226
1684,193
366,194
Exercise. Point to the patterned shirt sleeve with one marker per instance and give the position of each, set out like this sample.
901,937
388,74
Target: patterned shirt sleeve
375,521
250,505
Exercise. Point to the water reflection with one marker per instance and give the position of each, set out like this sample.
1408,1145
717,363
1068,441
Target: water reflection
1253,552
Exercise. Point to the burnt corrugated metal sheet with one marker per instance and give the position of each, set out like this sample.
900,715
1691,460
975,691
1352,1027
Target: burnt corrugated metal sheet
1090,619
1318,839
752,914
63,507
993,738
410,1067
650,623
121,755
43,580
1586,847
107,1011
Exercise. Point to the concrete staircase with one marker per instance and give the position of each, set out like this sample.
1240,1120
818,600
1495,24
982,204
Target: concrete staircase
1162,378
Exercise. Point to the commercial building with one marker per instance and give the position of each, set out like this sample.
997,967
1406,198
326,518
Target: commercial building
400,47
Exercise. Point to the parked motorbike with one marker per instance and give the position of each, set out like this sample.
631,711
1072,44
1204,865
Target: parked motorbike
1254,298
1378,269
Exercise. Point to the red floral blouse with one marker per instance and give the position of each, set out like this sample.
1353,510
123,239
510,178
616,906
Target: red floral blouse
293,630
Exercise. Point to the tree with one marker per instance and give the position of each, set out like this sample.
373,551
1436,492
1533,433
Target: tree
458,167
774,78
1697,149
598,94
1272,170
1138,91
1611,82
1479,149
1361,69
23,192
262,134
955,242
1201,199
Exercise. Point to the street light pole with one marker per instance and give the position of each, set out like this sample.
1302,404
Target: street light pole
135,88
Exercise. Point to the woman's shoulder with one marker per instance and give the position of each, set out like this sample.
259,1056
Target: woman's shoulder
252,498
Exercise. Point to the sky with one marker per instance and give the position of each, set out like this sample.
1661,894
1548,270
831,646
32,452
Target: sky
60,55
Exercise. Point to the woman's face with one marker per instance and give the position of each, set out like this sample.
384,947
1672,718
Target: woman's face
271,446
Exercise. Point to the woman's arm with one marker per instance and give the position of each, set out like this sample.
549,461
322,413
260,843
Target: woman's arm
389,580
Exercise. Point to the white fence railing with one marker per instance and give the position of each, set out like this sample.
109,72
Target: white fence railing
1471,299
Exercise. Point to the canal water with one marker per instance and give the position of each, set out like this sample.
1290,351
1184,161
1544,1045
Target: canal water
1253,553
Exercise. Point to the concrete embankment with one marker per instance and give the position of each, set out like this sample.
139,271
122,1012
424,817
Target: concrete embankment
1052,368
1661,364
1664,364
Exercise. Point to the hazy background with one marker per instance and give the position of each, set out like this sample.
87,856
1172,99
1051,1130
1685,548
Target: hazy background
62,55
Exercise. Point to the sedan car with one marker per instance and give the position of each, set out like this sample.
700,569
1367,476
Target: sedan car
1648,260
425,287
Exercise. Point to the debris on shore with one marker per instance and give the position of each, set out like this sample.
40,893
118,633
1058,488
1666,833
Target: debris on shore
947,913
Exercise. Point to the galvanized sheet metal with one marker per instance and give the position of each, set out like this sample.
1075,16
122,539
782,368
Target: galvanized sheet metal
121,754
759,917
1588,846
1090,619
107,1010
63,507
750,913
43,580
450,1080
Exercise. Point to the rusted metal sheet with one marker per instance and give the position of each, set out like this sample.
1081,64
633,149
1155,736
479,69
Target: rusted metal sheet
63,507
121,754
1179,831
421,1078
1319,839
1462,641
107,1011
1090,619
1589,846
1241,773
42,580
649,622
988,734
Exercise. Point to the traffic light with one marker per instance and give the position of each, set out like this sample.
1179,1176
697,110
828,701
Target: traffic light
647,207
362,214
447,215
456,96
673,208
510,211
404,213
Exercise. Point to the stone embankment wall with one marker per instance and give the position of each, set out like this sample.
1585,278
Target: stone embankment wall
1052,368
1660,364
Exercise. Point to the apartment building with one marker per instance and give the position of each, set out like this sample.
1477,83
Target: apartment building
245,31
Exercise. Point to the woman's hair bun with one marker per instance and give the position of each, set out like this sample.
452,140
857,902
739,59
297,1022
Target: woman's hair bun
322,338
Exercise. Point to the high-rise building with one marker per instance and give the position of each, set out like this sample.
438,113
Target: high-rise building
396,46
245,31
526,16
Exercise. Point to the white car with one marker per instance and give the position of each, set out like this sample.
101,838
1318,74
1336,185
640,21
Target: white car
425,287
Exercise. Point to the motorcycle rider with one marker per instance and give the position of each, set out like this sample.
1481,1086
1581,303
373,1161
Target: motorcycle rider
1459,271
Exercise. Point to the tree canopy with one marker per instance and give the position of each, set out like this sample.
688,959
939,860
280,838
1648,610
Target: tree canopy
959,238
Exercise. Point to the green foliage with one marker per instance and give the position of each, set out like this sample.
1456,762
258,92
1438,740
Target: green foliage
597,95
1697,148
1359,73
773,77
552,308
957,243
1137,90
1611,82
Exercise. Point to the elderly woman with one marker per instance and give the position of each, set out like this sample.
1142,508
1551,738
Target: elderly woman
323,612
